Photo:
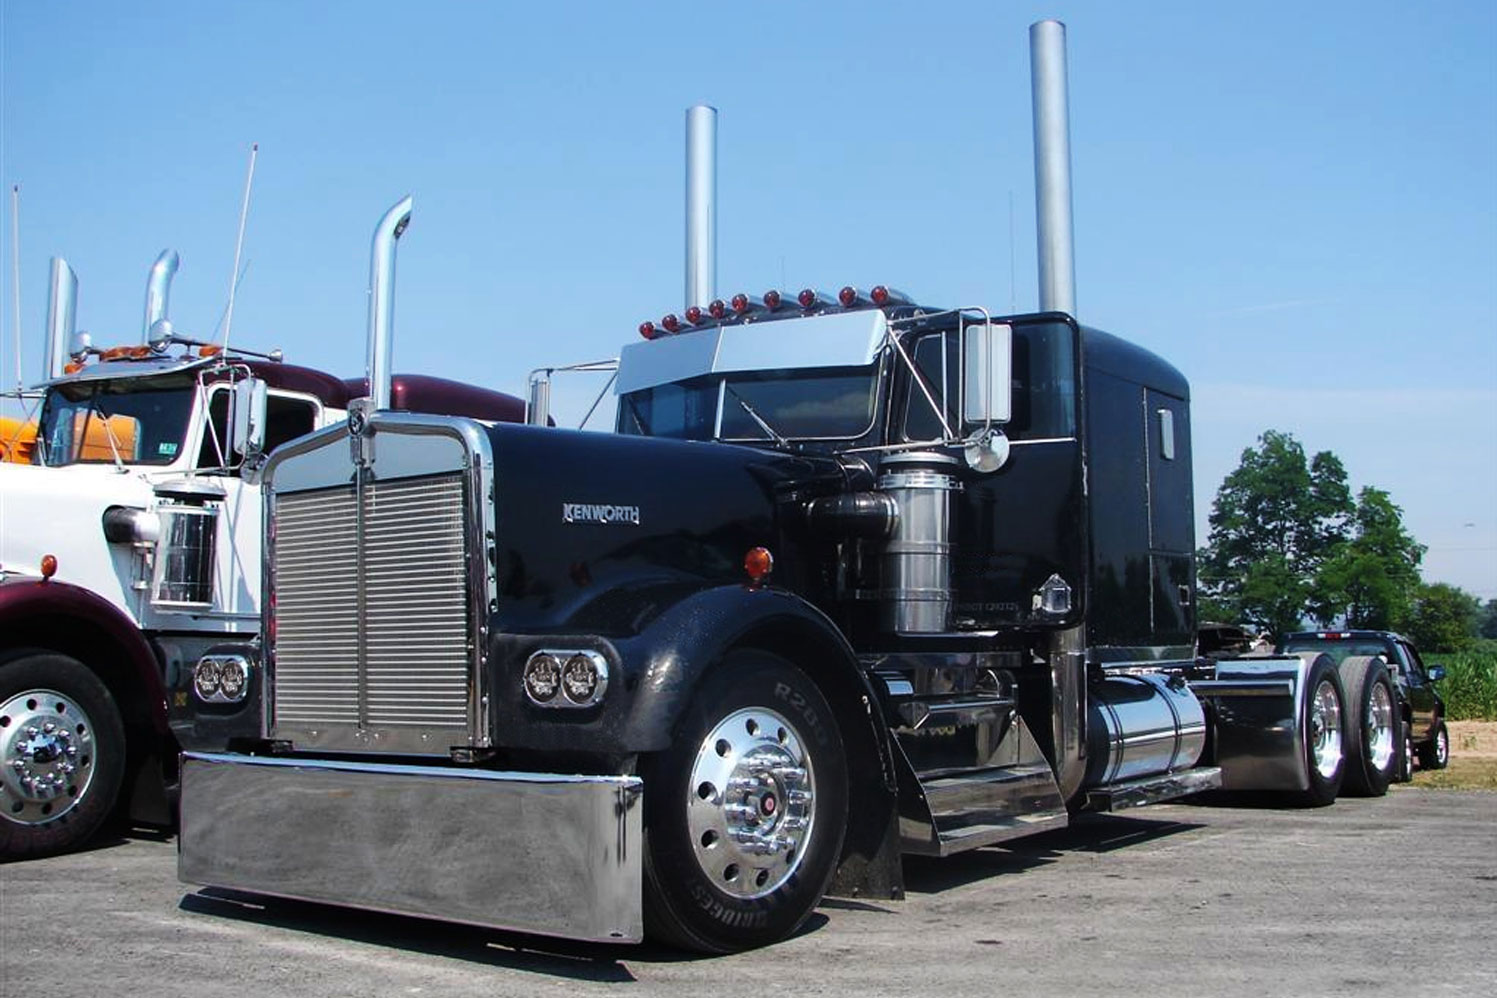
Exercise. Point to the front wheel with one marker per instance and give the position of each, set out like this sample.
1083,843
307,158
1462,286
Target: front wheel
62,748
745,812
1436,755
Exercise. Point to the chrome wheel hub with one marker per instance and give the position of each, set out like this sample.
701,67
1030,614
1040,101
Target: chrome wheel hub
1325,731
1377,728
46,756
751,802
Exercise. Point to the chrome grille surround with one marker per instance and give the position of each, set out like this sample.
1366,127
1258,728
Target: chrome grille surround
381,582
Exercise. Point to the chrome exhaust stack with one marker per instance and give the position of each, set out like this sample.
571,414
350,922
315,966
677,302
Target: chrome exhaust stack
382,300
1057,270
62,316
1052,167
701,205
159,290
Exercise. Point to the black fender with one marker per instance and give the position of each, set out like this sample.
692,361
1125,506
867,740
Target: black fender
656,669
62,617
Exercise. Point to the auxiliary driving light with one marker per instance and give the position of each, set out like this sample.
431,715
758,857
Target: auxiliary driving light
221,678
542,678
205,677
581,677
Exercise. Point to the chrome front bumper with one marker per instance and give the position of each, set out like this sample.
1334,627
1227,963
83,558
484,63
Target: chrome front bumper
549,854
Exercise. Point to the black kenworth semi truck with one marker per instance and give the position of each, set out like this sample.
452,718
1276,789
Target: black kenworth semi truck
852,578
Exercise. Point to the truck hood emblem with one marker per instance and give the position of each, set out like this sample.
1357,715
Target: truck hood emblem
587,512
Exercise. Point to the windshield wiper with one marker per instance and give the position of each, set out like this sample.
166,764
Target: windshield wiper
95,409
754,415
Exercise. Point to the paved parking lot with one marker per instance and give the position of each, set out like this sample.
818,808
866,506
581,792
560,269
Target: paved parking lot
1387,896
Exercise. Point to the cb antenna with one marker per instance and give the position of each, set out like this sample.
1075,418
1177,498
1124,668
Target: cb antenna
249,181
15,260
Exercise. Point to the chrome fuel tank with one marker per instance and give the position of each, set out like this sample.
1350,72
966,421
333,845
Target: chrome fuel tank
1139,726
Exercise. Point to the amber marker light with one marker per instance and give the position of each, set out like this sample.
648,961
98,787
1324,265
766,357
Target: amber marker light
758,563
49,565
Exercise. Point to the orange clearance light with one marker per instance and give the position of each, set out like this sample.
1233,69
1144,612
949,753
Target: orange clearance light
212,350
758,563
49,565
72,367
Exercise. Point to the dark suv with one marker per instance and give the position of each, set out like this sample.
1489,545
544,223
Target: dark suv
1422,709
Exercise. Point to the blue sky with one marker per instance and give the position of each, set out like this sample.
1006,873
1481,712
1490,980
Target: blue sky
1296,204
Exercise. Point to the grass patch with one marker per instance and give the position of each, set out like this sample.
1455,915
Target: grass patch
1462,774
1470,683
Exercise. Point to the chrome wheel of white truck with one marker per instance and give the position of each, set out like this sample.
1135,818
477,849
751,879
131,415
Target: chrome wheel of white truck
744,814
61,754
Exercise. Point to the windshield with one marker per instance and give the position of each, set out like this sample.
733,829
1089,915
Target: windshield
104,422
835,404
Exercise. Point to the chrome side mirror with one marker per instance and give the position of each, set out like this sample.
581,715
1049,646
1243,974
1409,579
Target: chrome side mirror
248,418
987,372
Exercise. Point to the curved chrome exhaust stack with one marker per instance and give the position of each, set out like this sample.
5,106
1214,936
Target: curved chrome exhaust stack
382,300
159,290
62,316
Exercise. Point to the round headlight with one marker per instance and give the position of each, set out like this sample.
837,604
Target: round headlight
233,677
542,678
205,678
579,680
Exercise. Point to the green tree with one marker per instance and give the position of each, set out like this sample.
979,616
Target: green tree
1444,618
1275,522
1489,620
1371,580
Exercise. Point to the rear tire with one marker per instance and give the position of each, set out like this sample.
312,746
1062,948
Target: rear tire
1436,755
745,812
1322,720
1371,727
62,755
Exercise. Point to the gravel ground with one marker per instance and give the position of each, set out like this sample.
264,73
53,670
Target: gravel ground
1367,897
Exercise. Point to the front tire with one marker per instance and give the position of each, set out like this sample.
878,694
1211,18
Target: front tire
1372,728
62,755
1436,755
745,812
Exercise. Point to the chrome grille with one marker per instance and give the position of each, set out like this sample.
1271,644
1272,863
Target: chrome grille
409,668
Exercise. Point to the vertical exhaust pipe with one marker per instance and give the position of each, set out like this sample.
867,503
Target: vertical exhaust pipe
382,300
1052,167
701,205
159,290
62,316
1057,268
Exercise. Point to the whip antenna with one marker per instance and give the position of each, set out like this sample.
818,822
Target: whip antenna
15,260
249,181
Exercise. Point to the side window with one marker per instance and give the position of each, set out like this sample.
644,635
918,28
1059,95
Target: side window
1416,665
286,419
921,421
